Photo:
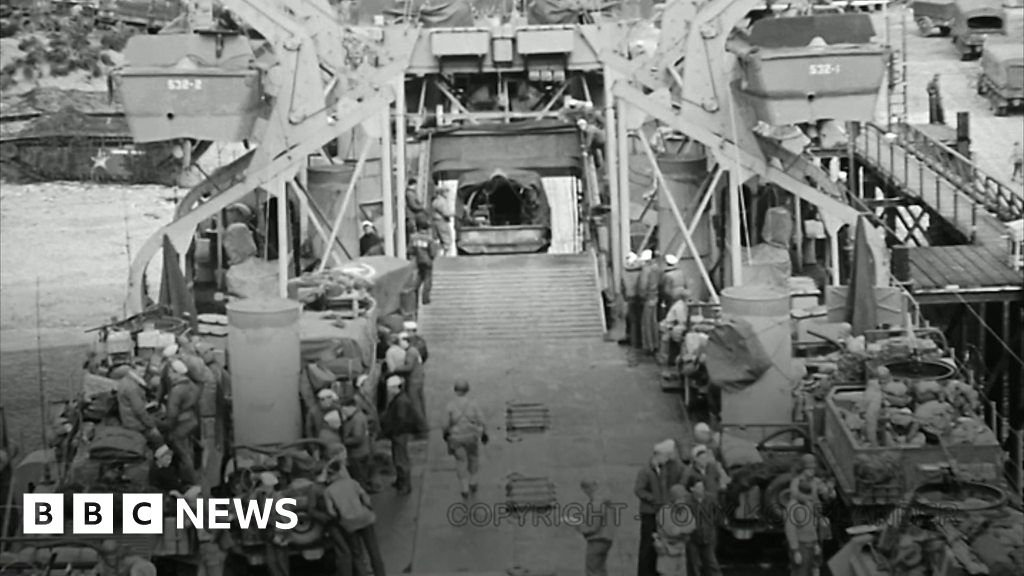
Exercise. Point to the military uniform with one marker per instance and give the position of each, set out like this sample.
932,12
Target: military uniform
423,250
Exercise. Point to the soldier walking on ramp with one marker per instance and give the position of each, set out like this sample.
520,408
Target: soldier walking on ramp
423,250
464,432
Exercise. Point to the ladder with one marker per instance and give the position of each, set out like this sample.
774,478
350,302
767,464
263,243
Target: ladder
896,96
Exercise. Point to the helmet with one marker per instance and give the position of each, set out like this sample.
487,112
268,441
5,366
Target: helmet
671,259
461,386
327,395
809,461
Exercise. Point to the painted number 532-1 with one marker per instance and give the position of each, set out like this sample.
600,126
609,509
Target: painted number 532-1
824,69
184,84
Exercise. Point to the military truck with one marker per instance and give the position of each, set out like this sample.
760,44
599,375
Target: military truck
933,17
1002,77
974,21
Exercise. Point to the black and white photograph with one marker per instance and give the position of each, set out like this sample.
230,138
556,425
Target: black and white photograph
511,287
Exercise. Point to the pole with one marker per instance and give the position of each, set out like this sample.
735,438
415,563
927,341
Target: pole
622,139
610,154
400,162
282,238
385,180
645,145
735,249
39,367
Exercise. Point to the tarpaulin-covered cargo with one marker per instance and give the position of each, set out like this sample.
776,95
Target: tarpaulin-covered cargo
808,68
350,339
734,356
389,276
561,11
429,13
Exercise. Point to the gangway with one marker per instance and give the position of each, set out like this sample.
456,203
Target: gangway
975,203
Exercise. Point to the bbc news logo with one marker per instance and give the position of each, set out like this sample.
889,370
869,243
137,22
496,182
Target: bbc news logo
144,513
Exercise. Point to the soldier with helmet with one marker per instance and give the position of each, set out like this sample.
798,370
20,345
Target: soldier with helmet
464,431
423,250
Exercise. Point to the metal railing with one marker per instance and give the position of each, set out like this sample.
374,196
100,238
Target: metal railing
878,146
994,195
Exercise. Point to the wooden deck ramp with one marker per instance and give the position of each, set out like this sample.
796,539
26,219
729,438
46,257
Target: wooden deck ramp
514,297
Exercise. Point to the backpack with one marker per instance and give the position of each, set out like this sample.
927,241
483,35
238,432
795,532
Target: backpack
423,249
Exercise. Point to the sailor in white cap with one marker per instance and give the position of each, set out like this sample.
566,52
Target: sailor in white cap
415,376
650,291
653,483
593,140
412,329
634,304
370,243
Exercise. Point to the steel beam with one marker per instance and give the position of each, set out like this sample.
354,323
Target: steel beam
400,164
646,147
624,196
704,201
386,175
357,173
282,237
611,153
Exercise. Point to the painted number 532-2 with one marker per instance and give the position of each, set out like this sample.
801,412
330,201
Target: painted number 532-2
824,69
184,84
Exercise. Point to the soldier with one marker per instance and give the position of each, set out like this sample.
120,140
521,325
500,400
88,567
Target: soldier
415,377
182,418
464,431
417,341
802,520
701,548
423,250
597,525
634,304
413,207
672,329
593,141
807,473
355,435
936,115
131,408
442,219
1017,159
400,422
675,523
649,290
653,482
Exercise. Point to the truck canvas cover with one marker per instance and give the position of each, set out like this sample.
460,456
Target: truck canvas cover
389,276
480,181
735,357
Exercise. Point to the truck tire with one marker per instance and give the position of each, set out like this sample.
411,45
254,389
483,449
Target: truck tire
776,495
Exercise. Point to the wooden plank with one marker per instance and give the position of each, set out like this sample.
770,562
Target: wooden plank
973,273
1001,272
933,270
956,270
